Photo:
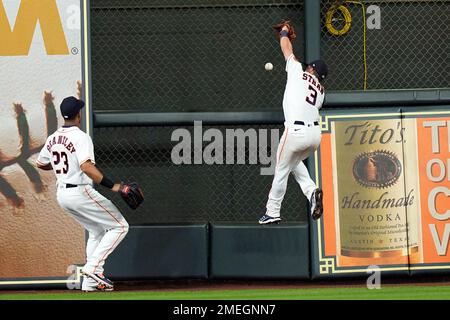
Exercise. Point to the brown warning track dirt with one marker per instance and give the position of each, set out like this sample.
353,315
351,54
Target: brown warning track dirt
203,285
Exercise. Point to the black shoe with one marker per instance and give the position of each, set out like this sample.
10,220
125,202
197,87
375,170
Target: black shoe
316,204
265,219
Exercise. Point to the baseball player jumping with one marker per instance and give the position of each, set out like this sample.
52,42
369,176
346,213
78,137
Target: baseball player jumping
303,97
70,153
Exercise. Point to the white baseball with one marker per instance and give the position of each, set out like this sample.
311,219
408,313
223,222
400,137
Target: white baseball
268,66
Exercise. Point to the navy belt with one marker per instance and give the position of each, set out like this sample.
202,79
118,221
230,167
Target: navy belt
68,185
316,123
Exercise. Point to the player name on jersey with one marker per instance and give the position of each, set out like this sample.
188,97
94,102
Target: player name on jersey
61,140
312,81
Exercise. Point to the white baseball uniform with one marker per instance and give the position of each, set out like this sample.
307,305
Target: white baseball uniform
67,149
303,97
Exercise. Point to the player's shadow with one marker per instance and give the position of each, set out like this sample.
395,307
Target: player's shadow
8,191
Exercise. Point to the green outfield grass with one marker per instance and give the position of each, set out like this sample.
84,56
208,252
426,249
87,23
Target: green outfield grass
342,293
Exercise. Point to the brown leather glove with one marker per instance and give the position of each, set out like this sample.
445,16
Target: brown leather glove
291,31
132,194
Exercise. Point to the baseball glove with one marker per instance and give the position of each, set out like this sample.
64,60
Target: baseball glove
132,194
277,27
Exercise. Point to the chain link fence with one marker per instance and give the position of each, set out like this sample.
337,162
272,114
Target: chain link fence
173,56
177,56
177,193
395,44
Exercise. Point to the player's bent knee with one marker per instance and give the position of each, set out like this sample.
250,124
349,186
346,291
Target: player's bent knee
125,227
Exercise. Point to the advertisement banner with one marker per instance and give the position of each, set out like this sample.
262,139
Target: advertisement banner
42,61
386,192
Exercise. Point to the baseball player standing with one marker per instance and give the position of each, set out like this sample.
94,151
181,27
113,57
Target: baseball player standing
70,153
303,97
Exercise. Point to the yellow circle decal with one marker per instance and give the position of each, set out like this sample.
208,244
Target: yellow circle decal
330,16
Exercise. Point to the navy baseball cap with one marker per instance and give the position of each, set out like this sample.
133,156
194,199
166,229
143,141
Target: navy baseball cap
321,68
70,107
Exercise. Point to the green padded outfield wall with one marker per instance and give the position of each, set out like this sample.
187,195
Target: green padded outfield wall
170,251
263,252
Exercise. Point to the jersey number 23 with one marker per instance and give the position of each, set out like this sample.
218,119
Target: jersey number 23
57,158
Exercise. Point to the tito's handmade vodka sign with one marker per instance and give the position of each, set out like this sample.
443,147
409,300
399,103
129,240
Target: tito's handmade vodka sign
377,202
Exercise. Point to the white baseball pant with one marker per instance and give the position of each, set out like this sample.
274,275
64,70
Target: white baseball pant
100,217
297,143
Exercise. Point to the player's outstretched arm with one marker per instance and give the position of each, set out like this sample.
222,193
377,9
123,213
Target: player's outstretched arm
92,172
285,44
